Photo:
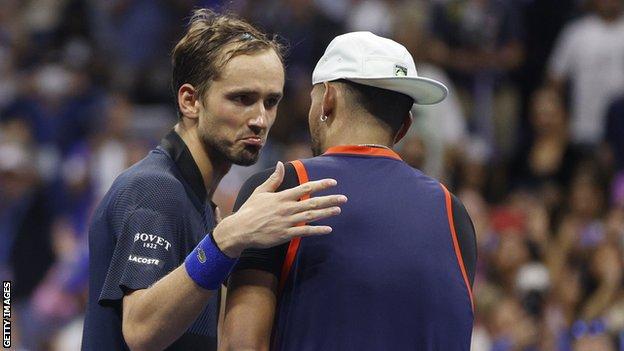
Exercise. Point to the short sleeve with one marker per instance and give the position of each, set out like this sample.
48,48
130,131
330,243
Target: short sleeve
271,259
147,223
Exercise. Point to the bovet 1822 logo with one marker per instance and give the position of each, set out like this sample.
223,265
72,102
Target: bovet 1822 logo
152,241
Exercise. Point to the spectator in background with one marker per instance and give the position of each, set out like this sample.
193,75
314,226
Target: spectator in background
26,214
303,25
113,149
589,55
542,23
551,158
119,25
61,296
441,127
512,328
586,205
472,171
479,42
60,105
562,303
583,250
377,16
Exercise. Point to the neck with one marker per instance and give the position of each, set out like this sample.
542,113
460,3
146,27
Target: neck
211,166
364,131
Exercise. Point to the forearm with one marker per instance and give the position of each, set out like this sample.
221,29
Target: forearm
154,318
249,311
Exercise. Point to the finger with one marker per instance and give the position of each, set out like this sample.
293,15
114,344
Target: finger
314,215
320,202
218,217
308,188
308,230
274,180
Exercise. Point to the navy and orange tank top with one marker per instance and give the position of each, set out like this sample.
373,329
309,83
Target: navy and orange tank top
391,276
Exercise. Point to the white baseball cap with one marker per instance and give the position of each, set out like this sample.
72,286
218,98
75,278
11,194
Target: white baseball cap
365,58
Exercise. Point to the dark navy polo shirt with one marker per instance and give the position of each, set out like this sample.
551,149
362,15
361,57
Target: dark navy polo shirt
396,272
153,216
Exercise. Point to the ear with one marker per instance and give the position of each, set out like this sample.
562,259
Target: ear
188,101
329,99
405,126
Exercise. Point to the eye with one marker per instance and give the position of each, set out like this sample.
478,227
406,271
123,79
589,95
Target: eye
243,99
271,102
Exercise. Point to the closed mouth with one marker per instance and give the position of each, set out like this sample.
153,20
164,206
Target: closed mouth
253,141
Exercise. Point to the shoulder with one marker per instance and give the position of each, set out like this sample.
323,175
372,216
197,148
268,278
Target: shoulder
456,211
458,208
255,180
260,177
422,179
148,183
327,162
155,169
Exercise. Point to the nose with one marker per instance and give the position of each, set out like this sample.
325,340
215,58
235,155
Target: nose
259,122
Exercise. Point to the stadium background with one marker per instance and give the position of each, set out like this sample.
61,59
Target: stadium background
84,92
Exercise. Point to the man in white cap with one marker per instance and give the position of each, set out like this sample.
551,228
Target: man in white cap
397,272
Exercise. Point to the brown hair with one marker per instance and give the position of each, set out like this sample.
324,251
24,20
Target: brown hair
205,49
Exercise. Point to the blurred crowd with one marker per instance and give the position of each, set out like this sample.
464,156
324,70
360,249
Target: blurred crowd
531,139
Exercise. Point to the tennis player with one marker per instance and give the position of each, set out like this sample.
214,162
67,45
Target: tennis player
397,272
157,254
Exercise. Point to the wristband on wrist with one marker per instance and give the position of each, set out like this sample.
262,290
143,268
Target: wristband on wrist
207,265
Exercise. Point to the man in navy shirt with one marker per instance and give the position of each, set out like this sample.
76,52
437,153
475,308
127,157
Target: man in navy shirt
397,273
157,253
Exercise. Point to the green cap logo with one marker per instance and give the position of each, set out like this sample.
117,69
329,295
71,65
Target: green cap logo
400,71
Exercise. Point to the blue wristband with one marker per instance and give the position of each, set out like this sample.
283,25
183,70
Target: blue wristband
207,265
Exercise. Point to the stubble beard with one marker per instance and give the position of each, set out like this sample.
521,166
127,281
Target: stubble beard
222,152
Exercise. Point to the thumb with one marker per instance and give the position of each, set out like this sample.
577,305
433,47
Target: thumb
274,181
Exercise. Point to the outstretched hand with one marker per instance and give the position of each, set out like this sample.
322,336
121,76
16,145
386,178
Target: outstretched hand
269,218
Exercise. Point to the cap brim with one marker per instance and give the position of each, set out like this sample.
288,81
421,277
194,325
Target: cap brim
424,91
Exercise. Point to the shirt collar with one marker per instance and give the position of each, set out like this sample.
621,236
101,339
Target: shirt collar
173,144
362,150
